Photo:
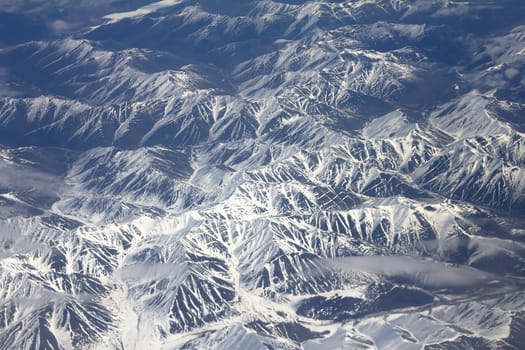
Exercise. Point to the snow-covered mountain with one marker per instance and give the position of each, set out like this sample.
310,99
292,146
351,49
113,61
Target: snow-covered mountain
266,174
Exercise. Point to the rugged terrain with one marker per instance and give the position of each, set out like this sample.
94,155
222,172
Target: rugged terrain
262,174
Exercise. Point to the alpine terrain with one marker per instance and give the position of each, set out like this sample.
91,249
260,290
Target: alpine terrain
262,174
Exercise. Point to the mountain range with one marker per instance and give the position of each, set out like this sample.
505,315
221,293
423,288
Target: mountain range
262,174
